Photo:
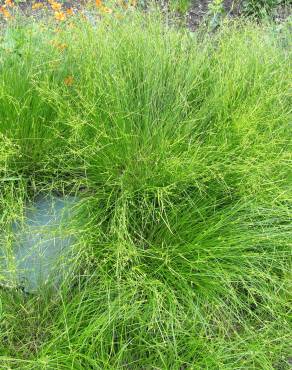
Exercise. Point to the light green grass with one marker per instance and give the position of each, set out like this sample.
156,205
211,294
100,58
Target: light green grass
180,144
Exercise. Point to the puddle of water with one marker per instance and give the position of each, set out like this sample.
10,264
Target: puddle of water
43,245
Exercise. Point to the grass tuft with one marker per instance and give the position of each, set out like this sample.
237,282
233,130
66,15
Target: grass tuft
177,145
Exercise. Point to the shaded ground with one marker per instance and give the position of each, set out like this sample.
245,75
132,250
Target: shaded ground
199,9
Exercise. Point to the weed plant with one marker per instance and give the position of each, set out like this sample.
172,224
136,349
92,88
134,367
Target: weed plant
177,145
262,8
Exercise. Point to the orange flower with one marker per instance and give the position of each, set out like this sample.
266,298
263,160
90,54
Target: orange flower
61,46
60,16
69,11
58,45
68,81
6,14
98,3
56,6
37,6
9,3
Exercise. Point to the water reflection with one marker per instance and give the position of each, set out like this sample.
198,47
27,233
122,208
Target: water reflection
42,248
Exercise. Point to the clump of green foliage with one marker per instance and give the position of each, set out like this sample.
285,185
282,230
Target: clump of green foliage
180,6
178,148
261,8
216,11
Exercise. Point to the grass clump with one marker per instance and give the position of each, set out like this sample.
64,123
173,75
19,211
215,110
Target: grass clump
177,146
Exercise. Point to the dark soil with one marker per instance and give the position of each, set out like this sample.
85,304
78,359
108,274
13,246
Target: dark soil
232,8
